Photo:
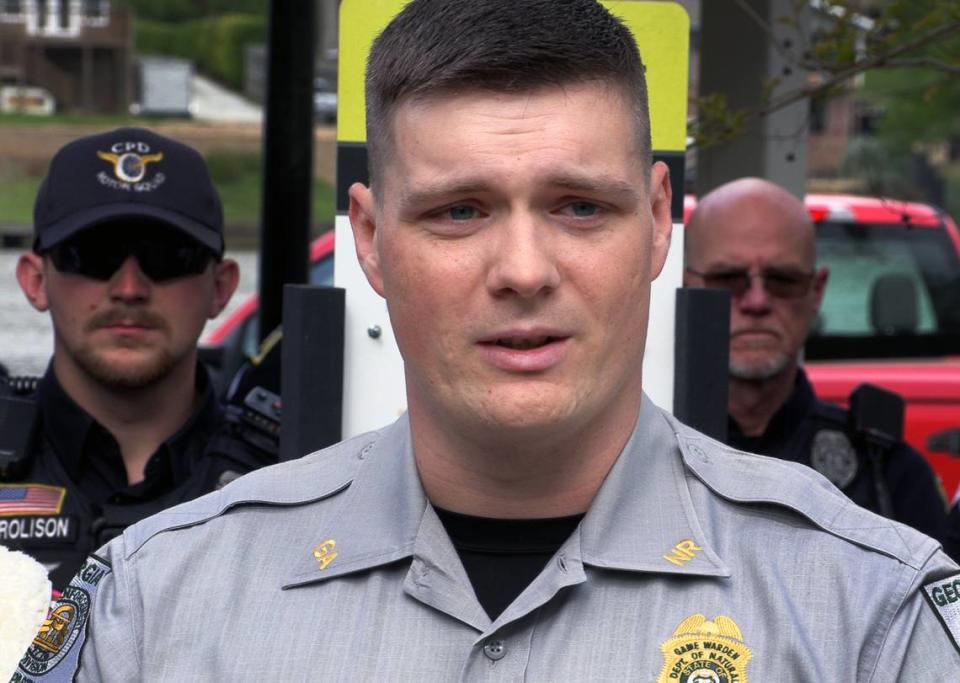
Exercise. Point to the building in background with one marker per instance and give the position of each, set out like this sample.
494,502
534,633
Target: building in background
78,50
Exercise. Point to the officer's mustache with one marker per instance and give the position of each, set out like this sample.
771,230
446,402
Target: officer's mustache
755,330
129,316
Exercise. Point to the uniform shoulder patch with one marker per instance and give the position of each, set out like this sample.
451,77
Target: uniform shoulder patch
944,597
54,654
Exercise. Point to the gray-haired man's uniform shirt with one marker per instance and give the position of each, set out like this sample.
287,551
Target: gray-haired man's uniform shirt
693,561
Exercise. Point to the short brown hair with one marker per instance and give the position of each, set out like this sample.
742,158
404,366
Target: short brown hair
437,46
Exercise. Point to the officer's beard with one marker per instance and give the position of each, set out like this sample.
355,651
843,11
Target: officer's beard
126,376
156,361
759,370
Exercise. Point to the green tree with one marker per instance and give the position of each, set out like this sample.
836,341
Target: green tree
909,49
919,93
186,10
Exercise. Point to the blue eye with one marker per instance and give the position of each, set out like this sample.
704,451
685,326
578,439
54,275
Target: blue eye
462,213
583,209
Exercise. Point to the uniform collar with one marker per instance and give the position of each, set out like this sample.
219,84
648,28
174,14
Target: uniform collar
640,516
643,518
378,517
76,436
783,422
65,424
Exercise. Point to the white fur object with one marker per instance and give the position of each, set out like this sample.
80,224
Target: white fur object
24,601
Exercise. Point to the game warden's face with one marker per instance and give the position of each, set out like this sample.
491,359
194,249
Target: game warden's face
515,242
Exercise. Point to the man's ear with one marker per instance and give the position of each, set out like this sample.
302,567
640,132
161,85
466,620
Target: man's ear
226,277
33,280
363,220
661,196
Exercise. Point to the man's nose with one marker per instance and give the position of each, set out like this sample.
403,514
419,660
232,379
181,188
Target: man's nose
524,259
755,299
129,283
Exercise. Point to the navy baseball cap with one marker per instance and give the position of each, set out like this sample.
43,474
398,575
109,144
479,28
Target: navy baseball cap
124,175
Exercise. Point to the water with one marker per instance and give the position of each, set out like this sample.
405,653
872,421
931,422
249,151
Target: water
26,337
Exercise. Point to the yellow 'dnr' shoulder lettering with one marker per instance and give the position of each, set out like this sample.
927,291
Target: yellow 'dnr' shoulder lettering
683,552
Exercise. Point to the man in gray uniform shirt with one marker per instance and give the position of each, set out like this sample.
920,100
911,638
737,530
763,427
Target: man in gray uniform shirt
533,517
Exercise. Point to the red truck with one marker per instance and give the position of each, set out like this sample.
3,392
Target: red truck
891,315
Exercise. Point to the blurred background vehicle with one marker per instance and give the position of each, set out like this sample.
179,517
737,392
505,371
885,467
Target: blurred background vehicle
26,100
236,338
324,100
891,314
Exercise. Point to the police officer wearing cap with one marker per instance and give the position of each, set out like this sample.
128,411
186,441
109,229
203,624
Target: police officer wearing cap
756,240
127,259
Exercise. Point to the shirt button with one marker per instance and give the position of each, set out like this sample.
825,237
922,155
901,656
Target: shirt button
495,649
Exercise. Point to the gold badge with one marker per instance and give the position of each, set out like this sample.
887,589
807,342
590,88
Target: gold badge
130,167
325,553
704,651
55,630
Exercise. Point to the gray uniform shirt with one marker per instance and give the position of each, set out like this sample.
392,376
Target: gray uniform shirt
695,563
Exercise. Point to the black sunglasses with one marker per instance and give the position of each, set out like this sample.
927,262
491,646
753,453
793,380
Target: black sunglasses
783,283
98,254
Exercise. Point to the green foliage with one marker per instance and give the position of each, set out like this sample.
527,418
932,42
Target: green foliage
19,191
222,41
236,175
186,10
920,101
880,167
68,118
919,105
835,46
215,44
716,123
227,166
919,93
951,174
170,40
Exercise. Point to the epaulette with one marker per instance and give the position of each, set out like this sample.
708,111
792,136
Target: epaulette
303,481
749,478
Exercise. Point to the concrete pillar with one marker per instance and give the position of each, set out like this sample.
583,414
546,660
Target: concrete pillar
740,57
328,12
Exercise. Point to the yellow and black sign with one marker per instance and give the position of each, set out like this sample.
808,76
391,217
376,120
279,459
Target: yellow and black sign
661,29
703,651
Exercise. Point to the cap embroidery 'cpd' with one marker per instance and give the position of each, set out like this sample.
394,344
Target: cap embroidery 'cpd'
127,175
130,167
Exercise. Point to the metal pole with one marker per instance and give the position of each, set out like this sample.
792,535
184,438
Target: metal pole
288,155
701,379
312,369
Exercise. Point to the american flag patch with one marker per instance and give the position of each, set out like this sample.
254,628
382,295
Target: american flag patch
31,499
